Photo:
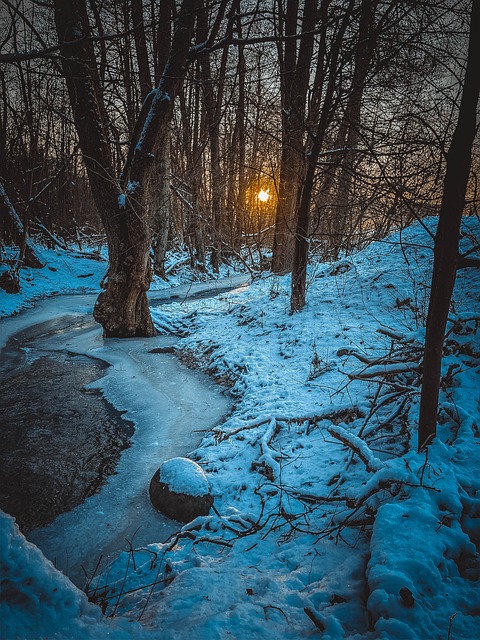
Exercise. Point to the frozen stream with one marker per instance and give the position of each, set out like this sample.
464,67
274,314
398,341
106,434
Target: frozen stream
168,403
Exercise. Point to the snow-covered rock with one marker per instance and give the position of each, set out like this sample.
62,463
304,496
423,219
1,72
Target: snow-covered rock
180,490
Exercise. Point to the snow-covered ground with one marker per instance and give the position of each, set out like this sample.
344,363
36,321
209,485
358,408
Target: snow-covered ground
72,271
326,522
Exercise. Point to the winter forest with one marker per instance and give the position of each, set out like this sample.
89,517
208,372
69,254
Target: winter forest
240,319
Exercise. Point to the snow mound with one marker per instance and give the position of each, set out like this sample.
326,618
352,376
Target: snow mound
40,602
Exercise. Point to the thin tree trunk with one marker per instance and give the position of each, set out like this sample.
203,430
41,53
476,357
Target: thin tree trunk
12,230
191,126
212,103
299,270
349,129
295,74
160,213
446,253
141,48
161,208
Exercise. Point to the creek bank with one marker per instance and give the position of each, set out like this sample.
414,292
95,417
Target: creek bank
168,404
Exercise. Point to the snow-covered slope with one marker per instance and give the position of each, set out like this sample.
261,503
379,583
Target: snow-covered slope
325,516
40,602
64,272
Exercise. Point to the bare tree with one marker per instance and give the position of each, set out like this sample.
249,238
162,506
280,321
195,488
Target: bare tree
446,254
122,308
295,60
299,271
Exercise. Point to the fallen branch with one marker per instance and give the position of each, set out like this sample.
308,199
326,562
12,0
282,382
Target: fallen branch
38,226
395,335
347,414
385,370
358,446
315,619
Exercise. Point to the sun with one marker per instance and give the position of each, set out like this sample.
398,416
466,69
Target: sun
263,196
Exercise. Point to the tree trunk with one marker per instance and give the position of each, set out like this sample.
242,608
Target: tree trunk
291,174
212,104
12,230
161,198
349,128
194,219
448,234
161,208
122,308
295,74
299,270
141,48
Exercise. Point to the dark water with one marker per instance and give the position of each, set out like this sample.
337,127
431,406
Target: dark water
58,441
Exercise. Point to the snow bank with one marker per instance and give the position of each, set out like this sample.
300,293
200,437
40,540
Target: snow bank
81,272
64,272
327,517
40,602
327,520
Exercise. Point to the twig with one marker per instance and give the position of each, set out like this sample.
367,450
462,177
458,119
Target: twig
313,617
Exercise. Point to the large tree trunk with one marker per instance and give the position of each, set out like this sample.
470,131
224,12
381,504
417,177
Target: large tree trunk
448,234
122,308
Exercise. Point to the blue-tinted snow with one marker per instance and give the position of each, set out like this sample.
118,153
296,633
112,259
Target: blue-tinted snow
254,566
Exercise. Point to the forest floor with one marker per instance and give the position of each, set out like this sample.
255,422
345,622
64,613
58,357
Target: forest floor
327,521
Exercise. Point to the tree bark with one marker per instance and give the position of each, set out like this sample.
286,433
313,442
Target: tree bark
299,270
295,74
122,308
446,255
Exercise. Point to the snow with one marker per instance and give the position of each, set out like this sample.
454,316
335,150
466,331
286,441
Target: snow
39,602
325,514
182,475
64,272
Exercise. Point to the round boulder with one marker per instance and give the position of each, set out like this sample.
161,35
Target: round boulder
180,490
